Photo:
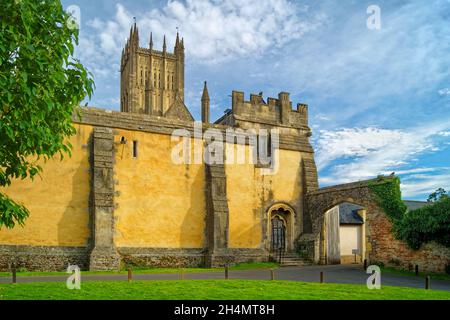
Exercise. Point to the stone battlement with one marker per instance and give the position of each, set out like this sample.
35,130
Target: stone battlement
276,111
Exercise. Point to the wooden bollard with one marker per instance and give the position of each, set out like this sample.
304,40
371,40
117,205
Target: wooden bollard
365,264
272,274
417,269
226,272
427,283
130,275
321,277
14,273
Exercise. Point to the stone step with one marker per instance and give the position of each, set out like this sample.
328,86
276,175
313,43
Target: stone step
293,264
292,261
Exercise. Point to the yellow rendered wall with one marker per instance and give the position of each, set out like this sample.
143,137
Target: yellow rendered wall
248,191
160,204
58,200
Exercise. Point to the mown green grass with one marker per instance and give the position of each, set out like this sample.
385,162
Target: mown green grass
242,266
212,290
440,276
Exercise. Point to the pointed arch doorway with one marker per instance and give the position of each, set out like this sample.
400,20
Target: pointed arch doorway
280,228
278,234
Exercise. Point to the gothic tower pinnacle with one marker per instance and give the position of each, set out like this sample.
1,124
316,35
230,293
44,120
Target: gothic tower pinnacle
205,104
151,41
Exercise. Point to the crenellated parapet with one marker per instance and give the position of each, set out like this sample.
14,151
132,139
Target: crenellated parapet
273,112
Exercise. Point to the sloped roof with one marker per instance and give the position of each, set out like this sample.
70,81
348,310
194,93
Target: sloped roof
348,214
179,111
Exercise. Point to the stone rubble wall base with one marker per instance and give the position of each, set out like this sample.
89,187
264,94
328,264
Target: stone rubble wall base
104,259
223,257
32,258
162,257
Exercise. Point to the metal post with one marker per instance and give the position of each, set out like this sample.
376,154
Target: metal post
14,275
321,276
365,264
226,272
417,269
130,275
427,283
272,274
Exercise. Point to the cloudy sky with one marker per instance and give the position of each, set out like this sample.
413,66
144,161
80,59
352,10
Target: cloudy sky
379,99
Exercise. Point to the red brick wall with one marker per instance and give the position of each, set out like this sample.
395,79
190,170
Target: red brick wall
383,247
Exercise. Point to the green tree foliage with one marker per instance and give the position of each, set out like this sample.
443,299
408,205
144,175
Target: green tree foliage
430,223
41,86
438,195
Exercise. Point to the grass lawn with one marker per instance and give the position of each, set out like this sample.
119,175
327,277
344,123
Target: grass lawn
242,266
440,276
211,290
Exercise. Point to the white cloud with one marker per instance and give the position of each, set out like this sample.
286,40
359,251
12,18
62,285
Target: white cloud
424,185
213,30
322,117
444,92
366,153
356,142
444,134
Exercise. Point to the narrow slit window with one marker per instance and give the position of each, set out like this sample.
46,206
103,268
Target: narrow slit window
135,149
269,145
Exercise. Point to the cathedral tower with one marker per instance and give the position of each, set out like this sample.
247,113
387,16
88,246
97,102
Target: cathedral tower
152,82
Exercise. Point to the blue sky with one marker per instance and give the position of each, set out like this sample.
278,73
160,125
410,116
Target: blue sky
379,99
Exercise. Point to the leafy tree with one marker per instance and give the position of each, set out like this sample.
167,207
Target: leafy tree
438,195
41,87
430,223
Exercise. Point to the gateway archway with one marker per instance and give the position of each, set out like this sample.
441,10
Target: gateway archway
343,233
321,201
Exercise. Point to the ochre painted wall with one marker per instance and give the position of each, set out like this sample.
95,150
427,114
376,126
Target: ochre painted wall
350,236
248,191
160,204
58,200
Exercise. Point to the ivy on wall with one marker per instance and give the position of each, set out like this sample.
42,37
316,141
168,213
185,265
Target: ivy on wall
389,197
416,227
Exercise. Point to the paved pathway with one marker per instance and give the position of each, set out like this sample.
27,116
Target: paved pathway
347,274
